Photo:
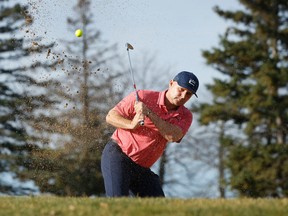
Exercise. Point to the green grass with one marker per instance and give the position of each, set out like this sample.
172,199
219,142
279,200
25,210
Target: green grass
46,205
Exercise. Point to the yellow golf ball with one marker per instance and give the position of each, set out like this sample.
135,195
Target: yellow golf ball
78,33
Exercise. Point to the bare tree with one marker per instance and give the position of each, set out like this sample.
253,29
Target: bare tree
86,90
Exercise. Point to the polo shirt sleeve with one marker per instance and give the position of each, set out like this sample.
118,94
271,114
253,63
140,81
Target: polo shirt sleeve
126,106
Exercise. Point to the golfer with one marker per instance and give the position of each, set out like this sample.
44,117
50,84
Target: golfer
133,149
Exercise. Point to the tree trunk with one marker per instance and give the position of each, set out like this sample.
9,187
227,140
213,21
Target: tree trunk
163,162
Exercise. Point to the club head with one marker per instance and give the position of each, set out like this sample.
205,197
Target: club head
129,46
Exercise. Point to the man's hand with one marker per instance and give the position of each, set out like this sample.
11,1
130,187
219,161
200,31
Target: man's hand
136,120
169,131
115,119
140,110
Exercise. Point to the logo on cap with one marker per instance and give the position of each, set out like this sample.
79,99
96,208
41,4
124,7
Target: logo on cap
192,82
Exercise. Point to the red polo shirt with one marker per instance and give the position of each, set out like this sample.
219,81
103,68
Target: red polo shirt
144,145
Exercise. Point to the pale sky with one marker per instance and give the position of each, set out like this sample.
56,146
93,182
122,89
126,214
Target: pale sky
176,31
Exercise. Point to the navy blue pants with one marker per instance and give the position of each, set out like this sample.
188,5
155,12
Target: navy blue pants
123,177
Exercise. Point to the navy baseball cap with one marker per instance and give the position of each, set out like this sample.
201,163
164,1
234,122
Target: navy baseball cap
187,80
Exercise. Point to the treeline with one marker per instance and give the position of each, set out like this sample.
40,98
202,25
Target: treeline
251,97
53,103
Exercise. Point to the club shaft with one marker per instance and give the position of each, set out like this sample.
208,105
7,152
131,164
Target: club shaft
133,80
132,76
131,71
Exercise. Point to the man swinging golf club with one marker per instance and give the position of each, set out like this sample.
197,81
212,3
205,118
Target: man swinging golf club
135,147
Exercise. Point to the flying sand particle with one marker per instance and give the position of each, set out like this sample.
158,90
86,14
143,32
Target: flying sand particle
48,53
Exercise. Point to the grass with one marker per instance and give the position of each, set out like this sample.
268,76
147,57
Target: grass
49,206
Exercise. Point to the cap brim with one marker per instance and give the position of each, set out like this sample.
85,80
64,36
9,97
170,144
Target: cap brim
184,86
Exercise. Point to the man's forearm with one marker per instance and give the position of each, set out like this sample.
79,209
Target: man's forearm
169,131
115,119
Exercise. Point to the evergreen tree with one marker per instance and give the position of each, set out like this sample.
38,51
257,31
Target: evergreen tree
19,101
87,91
252,57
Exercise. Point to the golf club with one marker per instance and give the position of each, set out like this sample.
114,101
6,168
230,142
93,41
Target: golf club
129,46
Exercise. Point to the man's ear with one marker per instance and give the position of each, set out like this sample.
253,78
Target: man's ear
171,83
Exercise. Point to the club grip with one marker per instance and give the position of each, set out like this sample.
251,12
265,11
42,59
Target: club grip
137,99
141,122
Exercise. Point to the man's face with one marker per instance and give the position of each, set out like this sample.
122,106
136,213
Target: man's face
178,95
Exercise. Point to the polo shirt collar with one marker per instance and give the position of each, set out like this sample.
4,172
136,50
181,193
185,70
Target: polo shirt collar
161,98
